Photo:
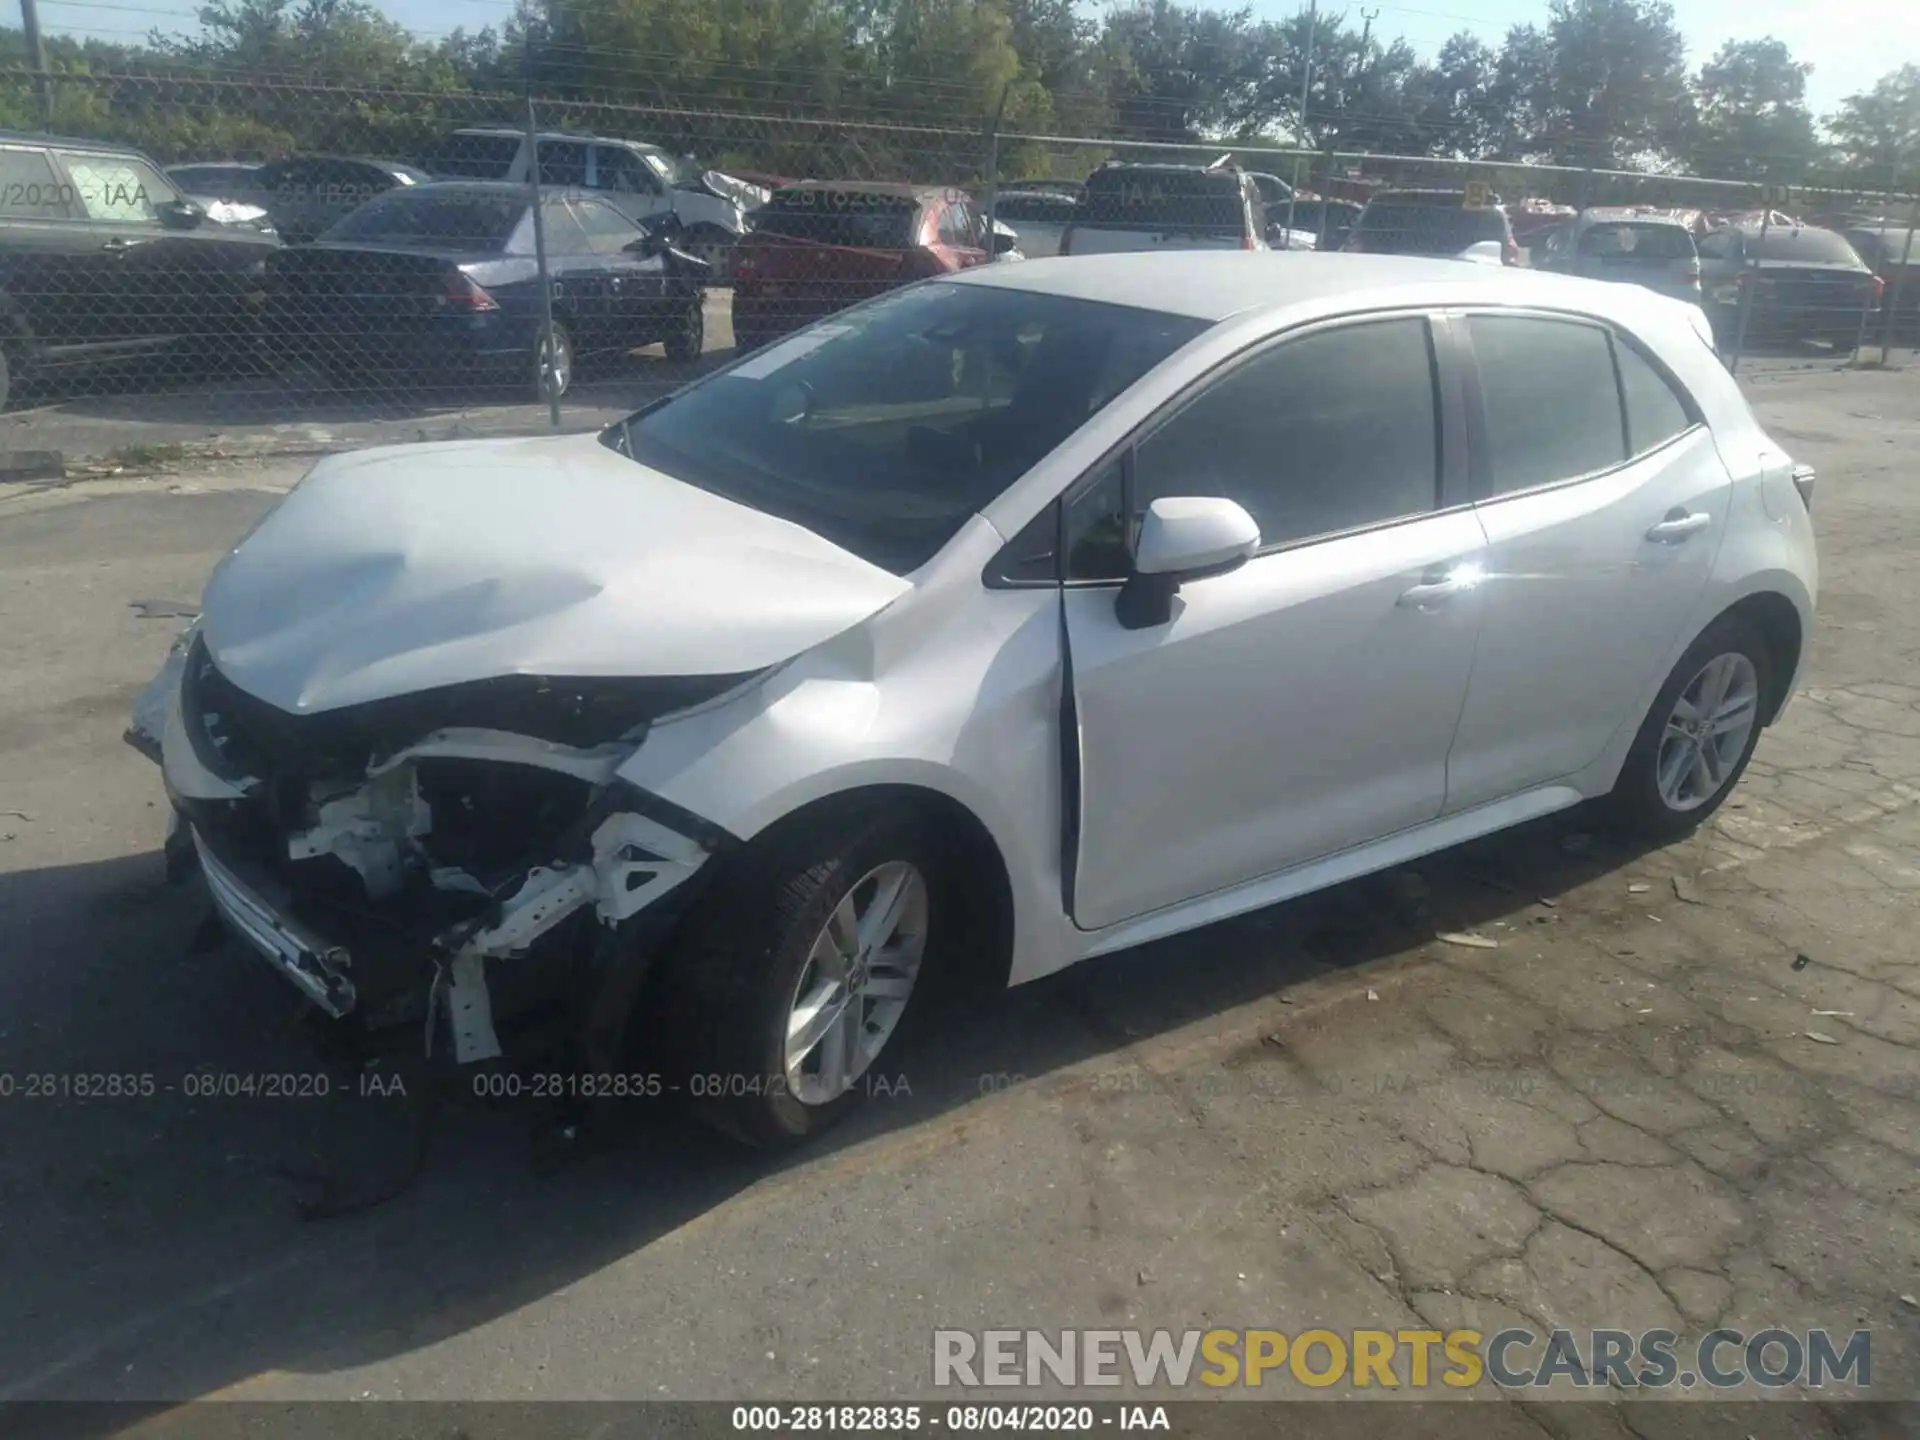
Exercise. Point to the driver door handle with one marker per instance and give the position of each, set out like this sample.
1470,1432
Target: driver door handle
116,244
1678,526
1436,587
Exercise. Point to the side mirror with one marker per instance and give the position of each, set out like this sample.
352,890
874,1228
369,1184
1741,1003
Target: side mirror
179,214
1004,240
1182,537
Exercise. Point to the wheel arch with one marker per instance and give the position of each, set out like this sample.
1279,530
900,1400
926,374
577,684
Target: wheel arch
1778,621
964,842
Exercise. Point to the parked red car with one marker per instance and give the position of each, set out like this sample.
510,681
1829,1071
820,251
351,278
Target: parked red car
823,245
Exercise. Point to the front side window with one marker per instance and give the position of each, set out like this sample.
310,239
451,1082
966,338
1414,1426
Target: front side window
886,427
619,170
117,188
608,231
563,162
1552,404
1333,431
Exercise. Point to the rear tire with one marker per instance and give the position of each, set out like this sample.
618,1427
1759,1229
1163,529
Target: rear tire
1697,739
755,964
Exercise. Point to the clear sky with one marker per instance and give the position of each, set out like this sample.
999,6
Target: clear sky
1850,43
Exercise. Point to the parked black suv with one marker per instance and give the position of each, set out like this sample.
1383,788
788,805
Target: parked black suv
102,260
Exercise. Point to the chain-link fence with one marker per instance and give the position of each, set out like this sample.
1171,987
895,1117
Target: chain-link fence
275,264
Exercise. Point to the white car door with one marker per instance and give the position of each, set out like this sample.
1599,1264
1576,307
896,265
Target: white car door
1603,516
1306,701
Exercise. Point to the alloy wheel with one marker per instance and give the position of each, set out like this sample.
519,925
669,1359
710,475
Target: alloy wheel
556,378
855,984
1707,732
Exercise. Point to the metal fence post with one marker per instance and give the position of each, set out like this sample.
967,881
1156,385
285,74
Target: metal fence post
1899,282
1749,282
547,357
993,159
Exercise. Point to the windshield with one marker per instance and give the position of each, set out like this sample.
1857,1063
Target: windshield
859,218
1417,229
1808,246
1183,200
884,428
456,217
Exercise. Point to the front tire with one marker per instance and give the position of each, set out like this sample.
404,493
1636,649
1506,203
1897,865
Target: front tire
1698,737
795,974
713,244
561,379
687,335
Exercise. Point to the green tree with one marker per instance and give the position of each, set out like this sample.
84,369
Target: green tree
1604,84
1878,131
1752,118
1451,100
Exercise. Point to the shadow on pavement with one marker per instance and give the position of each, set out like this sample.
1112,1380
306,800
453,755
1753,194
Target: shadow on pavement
150,1240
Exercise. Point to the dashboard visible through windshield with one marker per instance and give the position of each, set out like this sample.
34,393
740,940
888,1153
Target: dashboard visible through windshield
883,428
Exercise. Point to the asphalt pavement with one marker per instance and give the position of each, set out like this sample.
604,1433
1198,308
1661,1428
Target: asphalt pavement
1679,1087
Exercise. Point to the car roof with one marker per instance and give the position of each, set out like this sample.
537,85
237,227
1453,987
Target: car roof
519,132
1213,285
396,167
1160,168
1627,214
70,142
480,187
898,190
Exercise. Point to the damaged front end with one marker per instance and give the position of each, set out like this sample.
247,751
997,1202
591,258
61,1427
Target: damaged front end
464,860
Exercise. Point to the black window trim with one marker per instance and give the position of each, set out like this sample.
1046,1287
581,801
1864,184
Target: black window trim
1478,445
1452,414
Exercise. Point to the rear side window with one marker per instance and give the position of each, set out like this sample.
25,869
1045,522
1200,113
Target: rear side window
1552,404
475,157
1655,411
1189,201
1330,432
28,188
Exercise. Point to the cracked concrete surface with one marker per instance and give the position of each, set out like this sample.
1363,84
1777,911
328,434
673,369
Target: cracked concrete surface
1619,1117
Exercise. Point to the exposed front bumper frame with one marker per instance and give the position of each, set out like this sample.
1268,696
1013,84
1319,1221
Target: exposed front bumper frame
316,966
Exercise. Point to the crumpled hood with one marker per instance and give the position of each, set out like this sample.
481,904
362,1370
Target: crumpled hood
409,567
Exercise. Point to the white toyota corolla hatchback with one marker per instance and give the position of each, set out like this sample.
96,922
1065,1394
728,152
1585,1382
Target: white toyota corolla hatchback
998,623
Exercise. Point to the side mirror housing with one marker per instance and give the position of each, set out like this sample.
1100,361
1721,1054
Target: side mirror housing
1182,537
1002,241
179,214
